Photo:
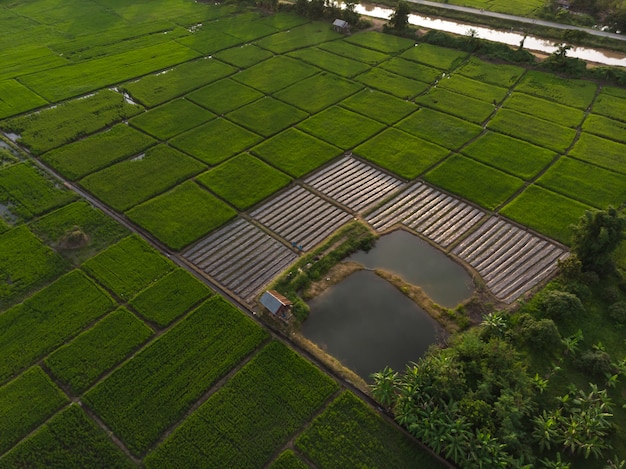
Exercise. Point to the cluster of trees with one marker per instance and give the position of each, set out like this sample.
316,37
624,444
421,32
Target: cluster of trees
611,13
330,9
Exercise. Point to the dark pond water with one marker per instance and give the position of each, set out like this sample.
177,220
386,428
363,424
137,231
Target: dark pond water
367,323
446,282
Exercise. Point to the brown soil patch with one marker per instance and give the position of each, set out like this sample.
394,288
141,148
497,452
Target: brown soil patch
73,239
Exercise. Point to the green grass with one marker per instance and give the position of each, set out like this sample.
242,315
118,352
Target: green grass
267,116
350,434
299,37
101,230
543,109
32,189
341,127
273,74
508,154
224,96
22,60
98,151
248,27
412,70
157,89
487,186
208,41
473,88
15,98
25,403
128,267
545,211
435,56
182,215
610,102
172,119
47,319
69,439
590,184
143,398
70,120
379,106
401,153
244,180
79,363
538,131
170,297
295,152
494,73
570,92
439,128
391,83
600,151
328,61
25,264
318,92
605,127
243,56
386,43
354,52
251,417
456,104
133,181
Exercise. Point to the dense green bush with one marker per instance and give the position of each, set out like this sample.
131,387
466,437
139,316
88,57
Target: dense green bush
541,334
561,305
617,312
596,362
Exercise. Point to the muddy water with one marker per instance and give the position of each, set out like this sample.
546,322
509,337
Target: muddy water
367,323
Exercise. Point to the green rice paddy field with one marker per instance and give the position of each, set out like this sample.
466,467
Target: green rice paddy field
112,356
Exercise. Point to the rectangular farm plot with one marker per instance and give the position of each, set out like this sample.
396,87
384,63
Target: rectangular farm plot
473,88
600,151
401,153
301,217
170,297
353,183
458,105
82,361
151,392
276,73
224,96
251,417
70,437
215,141
354,52
208,41
182,215
295,152
98,151
318,92
538,131
288,460
298,37
547,212
386,43
439,128
544,109
267,116
243,56
391,83
244,180
494,73
516,157
133,181
128,267
156,89
412,70
567,91
435,56
172,118
605,127
47,319
342,66
610,102
474,181
380,106
26,402
15,98
585,182
241,257
341,127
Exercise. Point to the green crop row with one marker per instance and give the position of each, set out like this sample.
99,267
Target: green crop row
496,74
334,63
224,96
27,59
268,116
473,88
349,434
600,151
610,103
276,73
386,43
570,92
170,297
435,56
354,52
251,416
397,85
243,56
412,70
25,403
68,121
15,98
299,37
48,319
172,119
69,439
103,149
143,398
543,109
605,127
128,267
456,104
380,106
82,361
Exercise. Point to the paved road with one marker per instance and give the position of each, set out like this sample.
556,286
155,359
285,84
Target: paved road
520,19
